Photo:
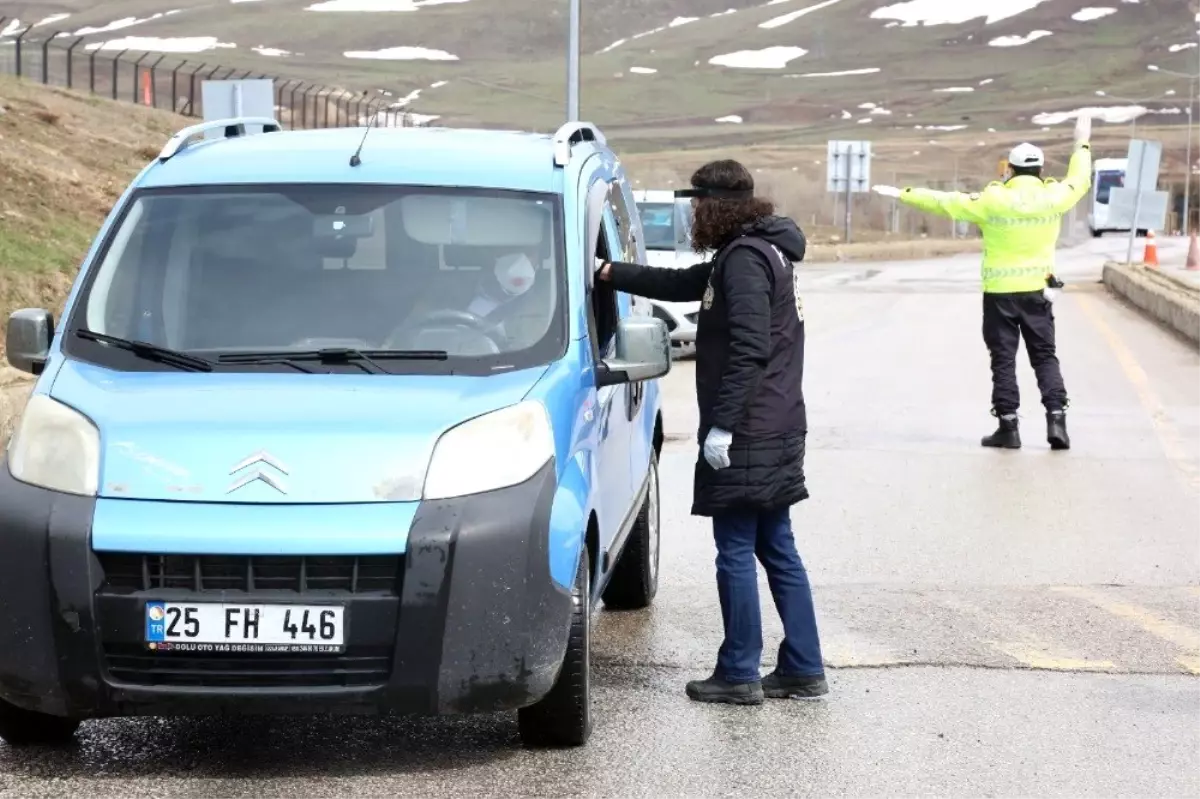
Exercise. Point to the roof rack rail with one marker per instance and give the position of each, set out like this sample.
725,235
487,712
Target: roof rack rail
233,127
570,134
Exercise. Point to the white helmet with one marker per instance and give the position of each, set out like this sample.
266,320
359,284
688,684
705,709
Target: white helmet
1026,154
515,274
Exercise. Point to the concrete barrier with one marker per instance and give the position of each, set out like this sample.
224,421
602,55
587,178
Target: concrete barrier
1172,302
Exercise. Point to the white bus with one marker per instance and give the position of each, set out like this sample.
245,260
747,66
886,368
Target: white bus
1108,174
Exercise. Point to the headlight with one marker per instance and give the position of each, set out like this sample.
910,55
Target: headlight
55,447
496,450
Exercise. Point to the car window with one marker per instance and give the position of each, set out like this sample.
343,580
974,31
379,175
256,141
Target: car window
658,224
623,217
476,273
604,298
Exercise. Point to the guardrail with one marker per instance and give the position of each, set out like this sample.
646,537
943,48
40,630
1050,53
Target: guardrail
60,58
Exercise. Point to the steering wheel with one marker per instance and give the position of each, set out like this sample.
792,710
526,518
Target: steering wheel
473,322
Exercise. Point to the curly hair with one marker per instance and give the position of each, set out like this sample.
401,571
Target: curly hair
719,220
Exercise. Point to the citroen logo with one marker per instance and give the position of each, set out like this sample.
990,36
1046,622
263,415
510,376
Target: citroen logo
258,460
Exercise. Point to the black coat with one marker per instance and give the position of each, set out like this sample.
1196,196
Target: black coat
749,363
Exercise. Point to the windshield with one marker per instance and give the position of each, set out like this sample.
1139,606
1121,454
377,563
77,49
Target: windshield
1106,181
473,274
667,226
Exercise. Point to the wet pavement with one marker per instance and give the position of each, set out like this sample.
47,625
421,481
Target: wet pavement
994,623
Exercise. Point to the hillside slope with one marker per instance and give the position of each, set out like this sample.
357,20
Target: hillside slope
664,71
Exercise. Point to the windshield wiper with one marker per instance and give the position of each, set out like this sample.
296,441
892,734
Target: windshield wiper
364,359
150,352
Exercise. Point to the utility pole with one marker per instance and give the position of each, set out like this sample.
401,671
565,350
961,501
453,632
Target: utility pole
573,64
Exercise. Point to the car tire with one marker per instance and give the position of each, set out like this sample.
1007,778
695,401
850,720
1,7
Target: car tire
21,727
563,717
634,580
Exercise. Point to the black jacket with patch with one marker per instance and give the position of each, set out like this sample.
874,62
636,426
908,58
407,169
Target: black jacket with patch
749,363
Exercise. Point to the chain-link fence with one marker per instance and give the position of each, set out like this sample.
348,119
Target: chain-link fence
156,80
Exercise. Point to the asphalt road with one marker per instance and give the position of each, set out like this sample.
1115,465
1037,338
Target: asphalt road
995,623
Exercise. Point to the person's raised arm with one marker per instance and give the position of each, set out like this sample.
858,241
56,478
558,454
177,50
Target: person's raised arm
657,283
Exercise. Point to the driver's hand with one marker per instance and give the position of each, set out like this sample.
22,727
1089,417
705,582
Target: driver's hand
602,268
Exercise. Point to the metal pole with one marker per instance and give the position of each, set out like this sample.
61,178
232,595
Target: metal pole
71,62
1187,165
954,222
1137,205
573,64
849,168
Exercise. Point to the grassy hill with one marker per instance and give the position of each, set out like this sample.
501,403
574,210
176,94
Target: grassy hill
508,58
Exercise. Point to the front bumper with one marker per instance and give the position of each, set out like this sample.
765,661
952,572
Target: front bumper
468,620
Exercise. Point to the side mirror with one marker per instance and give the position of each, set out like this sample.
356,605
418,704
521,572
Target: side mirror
29,333
643,352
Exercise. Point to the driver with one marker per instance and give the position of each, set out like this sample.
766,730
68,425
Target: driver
497,293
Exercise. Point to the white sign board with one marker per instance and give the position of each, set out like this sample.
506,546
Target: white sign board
1142,170
224,99
1151,212
848,167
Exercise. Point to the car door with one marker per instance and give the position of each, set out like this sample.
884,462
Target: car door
613,485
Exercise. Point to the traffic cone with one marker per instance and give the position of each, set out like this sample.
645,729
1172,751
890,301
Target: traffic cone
1193,259
1151,256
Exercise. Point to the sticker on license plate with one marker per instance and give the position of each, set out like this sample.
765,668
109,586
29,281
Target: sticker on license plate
236,627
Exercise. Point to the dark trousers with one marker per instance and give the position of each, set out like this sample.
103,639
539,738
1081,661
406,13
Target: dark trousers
741,537
1007,318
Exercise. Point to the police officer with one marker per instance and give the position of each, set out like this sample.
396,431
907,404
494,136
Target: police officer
1020,219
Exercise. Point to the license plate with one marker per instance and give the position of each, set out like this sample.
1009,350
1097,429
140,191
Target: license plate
236,627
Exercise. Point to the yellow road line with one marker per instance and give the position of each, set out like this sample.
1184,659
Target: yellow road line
1169,439
1185,638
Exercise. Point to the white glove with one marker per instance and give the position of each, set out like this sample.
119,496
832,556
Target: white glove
1083,129
716,448
887,191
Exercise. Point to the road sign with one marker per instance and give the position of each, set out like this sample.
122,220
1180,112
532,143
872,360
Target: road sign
848,167
1151,211
223,99
1144,159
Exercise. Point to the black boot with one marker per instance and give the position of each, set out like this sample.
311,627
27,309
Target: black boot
1007,436
714,689
777,686
1056,430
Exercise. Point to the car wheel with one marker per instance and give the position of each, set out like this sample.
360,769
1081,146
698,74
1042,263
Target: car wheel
563,717
21,727
634,581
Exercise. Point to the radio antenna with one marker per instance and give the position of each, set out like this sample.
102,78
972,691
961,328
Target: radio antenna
354,159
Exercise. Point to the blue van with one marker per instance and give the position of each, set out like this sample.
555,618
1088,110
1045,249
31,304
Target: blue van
335,421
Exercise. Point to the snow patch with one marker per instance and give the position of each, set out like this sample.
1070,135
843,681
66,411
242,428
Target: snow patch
152,44
614,45
377,5
1111,114
866,71
50,20
402,54
675,23
273,52
953,12
643,70
125,22
955,89
732,118
724,13
792,16
986,81
439,84
1017,41
948,128
12,28
767,58
1175,48
1089,14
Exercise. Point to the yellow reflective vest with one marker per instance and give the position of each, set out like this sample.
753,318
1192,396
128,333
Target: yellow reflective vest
1020,221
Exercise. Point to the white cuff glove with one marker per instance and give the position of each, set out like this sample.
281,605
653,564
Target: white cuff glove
887,191
716,448
1083,129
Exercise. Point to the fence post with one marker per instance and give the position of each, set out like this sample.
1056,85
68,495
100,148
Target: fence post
154,81
292,102
325,107
92,71
46,57
116,75
175,86
137,77
304,105
191,104
71,62
17,44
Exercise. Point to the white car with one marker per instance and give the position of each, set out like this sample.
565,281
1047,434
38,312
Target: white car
667,226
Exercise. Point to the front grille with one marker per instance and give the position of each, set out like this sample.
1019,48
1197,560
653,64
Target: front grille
377,575
359,666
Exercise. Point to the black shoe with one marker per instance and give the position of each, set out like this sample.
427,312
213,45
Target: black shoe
1007,435
1056,430
777,686
714,689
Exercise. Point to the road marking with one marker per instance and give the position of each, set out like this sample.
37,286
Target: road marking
1168,436
1183,637
1032,651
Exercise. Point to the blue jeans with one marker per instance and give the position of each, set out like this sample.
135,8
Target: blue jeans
740,537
